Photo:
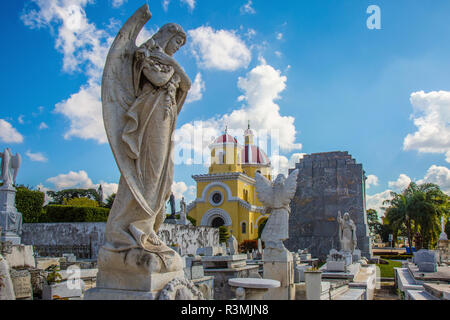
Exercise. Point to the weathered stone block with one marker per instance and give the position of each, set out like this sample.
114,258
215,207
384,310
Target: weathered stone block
327,183
22,284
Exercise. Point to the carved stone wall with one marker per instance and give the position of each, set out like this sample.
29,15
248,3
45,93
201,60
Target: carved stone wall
327,182
84,239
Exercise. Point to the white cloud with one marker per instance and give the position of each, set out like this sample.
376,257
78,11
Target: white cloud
108,188
278,54
43,126
144,35
247,8
9,134
37,156
190,3
432,118
279,36
165,5
118,3
438,175
197,89
71,180
250,33
20,119
376,201
84,49
401,183
81,180
42,188
261,87
219,49
84,109
372,180
180,190
281,164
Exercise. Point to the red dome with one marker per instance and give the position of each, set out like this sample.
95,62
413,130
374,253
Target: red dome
254,155
225,138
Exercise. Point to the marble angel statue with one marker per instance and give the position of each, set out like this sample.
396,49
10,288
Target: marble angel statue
276,197
143,91
10,167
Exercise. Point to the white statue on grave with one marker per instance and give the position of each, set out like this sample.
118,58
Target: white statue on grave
347,233
443,236
233,245
276,197
10,168
143,91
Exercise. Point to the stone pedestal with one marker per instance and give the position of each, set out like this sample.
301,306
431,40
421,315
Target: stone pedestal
10,218
130,273
279,265
313,280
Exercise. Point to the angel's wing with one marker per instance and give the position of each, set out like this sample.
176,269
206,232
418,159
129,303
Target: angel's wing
264,189
118,95
290,185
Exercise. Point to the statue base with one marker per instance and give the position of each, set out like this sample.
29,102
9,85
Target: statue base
11,237
137,270
279,265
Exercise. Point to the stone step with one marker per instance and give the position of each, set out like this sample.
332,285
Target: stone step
351,294
440,291
338,291
419,295
405,281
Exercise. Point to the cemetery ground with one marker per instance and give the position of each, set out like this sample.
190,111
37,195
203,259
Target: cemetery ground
387,270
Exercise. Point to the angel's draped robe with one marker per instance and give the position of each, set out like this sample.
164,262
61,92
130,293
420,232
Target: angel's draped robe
147,137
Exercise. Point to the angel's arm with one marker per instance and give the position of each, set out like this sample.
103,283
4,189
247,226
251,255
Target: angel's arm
185,82
156,77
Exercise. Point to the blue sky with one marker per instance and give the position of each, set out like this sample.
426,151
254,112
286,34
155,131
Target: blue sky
310,69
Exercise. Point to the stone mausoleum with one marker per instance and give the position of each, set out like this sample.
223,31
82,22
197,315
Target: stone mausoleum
327,183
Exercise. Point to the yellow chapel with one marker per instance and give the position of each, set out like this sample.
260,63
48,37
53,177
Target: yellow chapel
226,196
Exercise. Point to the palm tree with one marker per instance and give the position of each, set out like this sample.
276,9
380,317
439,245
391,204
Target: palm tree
418,208
398,214
429,203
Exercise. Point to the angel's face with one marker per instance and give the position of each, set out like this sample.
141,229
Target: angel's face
174,44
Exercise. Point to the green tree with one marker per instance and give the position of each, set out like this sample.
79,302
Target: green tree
373,222
29,202
58,197
429,204
110,201
81,202
261,227
417,210
223,234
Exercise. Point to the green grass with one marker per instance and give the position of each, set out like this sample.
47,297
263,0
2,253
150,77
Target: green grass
387,270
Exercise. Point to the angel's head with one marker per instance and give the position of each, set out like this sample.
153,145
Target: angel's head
346,216
170,37
280,179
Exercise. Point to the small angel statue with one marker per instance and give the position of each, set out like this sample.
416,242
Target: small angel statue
276,197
